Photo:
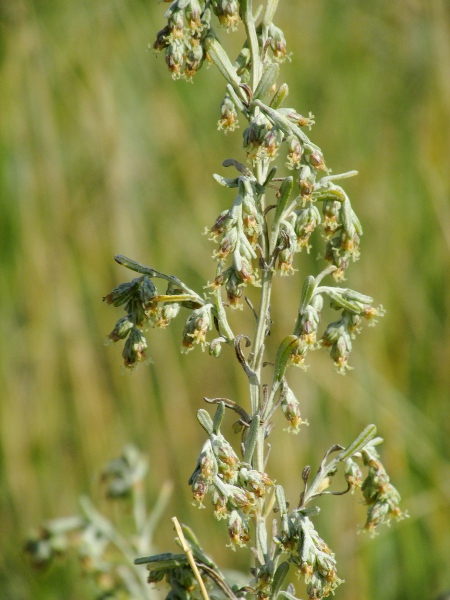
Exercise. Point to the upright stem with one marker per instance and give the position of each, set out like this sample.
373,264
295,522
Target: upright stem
249,24
260,170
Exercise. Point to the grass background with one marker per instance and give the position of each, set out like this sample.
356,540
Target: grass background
102,153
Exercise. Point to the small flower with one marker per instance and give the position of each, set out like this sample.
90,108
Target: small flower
121,329
306,222
330,211
340,352
255,137
256,481
288,242
306,181
277,43
196,328
227,12
380,495
238,528
291,410
295,152
194,59
228,115
220,505
193,13
122,293
227,244
353,475
134,349
175,53
224,222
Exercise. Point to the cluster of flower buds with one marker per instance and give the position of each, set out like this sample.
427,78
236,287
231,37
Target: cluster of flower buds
291,410
183,38
54,539
237,231
144,308
233,486
306,549
338,338
341,226
339,334
123,474
137,297
61,537
188,27
380,495
293,235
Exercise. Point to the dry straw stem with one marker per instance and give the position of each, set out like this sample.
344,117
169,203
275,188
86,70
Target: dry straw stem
187,549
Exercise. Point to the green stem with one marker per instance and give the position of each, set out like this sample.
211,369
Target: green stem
249,24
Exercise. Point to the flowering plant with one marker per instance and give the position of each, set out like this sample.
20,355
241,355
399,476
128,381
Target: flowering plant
269,221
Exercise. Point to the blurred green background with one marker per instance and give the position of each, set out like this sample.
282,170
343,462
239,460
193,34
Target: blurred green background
102,153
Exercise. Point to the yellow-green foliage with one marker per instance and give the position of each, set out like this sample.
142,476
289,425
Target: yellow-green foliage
100,154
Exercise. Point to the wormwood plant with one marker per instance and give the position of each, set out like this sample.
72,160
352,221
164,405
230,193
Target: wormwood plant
269,220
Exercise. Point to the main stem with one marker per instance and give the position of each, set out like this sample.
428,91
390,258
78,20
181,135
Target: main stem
262,321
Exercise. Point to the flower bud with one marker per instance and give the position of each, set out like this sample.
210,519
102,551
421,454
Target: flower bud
332,333
121,329
353,475
277,43
228,115
122,293
175,20
241,499
175,57
227,460
291,410
134,349
330,211
215,349
316,160
252,228
196,327
228,13
307,220
193,13
227,245
254,137
255,481
306,180
271,143
317,303
340,352
288,241
309,322
296,118
224,222
194,60
295,152
233,286
162,39
220,505
238,528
